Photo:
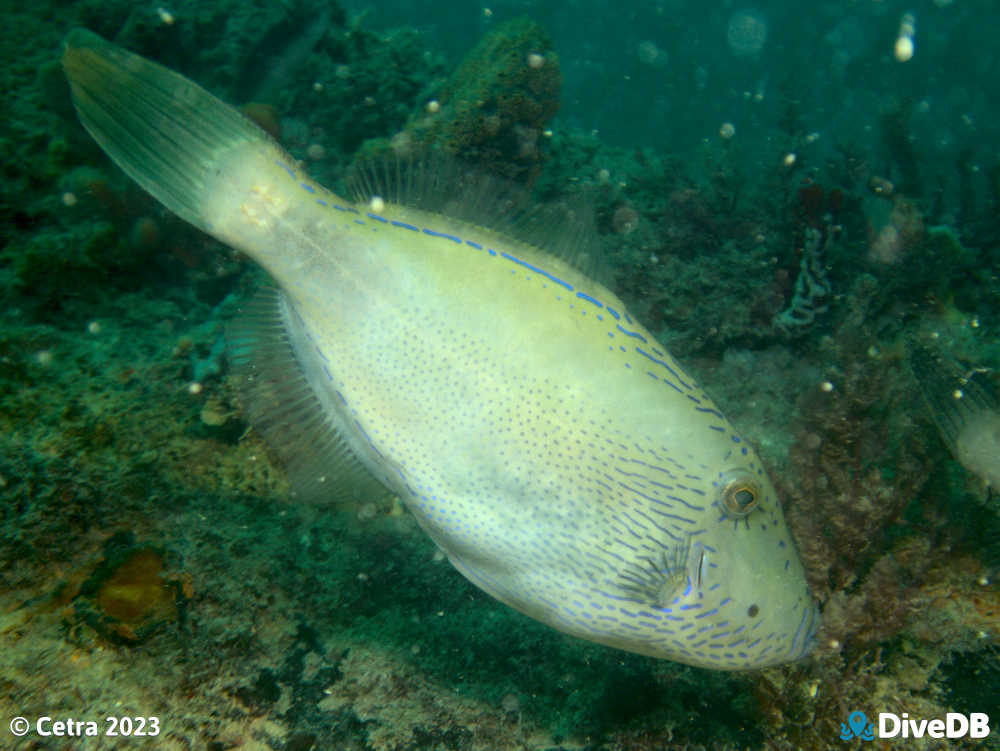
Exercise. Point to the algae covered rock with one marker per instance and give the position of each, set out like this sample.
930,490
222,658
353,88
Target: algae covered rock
494,109
135,592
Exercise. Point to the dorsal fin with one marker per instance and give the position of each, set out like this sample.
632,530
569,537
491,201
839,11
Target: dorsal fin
435,182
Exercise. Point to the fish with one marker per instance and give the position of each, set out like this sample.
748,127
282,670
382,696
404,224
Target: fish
964,405
559,456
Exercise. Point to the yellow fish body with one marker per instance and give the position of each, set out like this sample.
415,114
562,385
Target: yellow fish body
564,462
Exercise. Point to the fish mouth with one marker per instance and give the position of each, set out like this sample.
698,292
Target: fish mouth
805,637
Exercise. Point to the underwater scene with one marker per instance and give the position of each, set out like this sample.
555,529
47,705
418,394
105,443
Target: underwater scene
529,376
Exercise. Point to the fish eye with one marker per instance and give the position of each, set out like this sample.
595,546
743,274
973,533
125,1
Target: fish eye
740,494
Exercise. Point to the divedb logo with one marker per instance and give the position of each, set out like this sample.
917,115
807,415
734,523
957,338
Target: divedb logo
890,725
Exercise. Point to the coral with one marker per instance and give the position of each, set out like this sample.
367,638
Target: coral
895,229
812,288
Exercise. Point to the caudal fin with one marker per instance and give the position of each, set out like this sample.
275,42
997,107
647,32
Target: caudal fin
166,132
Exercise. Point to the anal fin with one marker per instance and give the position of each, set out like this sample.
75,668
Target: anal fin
301,420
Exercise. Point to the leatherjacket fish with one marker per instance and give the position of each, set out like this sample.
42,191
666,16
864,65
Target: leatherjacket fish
559,456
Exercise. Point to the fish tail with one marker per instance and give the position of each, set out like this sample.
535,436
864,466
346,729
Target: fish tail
164,131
